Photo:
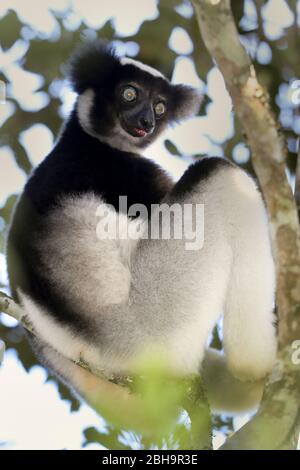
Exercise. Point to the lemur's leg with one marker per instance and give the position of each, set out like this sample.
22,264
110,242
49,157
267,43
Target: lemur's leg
179,294
249,331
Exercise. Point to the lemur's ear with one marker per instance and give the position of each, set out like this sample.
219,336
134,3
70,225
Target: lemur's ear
186,102
91,63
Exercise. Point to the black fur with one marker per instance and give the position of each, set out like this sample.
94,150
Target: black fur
199,171
92,65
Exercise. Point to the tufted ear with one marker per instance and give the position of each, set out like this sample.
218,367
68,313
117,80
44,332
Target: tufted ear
186,102
91,64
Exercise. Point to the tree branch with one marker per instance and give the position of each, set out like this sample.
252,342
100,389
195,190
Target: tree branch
251,104
276,426
9,306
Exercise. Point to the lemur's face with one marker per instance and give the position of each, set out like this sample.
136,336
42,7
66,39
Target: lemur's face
142,111
143,104
125,103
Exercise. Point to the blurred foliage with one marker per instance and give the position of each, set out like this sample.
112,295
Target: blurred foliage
171,147
170,413
46,57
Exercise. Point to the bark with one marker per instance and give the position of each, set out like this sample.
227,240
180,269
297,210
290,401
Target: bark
276,425
277,422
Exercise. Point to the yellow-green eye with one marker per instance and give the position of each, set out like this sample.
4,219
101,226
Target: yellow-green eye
129,94
160,108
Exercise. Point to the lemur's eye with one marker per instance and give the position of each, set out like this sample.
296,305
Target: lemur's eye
129,94
160,108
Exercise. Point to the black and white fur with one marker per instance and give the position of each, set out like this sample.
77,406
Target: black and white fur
105,301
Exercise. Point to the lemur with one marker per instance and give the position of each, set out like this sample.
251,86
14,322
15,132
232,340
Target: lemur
104,300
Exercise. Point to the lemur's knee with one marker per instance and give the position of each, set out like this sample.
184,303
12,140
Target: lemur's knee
199,172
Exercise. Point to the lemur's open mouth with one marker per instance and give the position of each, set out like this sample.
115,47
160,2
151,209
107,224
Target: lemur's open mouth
139,132
135,131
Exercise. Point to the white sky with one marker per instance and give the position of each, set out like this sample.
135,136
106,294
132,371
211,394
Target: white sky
32,415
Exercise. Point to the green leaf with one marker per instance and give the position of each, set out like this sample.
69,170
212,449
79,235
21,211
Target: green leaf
108,439
171,147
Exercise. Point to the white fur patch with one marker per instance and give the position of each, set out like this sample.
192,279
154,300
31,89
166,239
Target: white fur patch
120,140
84,106
145,68
75,260
51,332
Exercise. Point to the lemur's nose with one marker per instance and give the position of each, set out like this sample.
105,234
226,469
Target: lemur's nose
146,124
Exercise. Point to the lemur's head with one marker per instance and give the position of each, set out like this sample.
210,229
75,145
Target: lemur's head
123,102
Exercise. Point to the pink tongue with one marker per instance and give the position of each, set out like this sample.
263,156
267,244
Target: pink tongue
140,132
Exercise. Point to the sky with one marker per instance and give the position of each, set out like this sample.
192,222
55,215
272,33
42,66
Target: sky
32,415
